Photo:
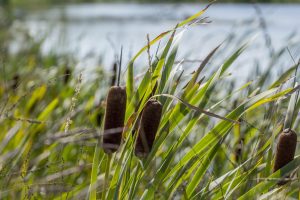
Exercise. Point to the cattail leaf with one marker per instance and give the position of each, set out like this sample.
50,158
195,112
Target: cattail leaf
129,81
149,80
222,128
237,180
160,36
203,166
284,77
173,78
288,122
11,133
233,57
270,99
48,110
270,194
129,88
171,152
169,64
177,113
127,190
195,16
200,68
156,74
243,177
122,174
156,39
96,163
77,191
37,95
119,168
178,179
264,186
197,109
138,95
213,186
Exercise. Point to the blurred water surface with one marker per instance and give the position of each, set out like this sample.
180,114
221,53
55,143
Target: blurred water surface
93,32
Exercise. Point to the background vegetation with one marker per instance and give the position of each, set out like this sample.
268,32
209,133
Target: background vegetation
29,2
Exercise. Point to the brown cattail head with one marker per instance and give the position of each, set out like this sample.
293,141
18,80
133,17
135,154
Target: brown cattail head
114,118
148,127
285,151
15,82
67,75
238,151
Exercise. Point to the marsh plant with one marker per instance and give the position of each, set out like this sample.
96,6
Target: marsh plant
168,134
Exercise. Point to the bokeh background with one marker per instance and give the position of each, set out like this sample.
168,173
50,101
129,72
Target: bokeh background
92,32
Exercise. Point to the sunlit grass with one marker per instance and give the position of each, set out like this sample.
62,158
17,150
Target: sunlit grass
215,139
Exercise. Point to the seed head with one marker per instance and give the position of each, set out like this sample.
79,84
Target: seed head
114,119
148,127
285,151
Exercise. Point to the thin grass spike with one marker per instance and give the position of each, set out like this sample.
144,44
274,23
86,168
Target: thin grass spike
149,124
114,119
120,65
285,151
114,74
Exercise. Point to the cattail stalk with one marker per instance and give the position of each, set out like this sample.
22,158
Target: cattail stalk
148,127
114,74
114,119
285,151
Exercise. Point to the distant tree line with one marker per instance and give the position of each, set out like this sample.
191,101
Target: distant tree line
36,2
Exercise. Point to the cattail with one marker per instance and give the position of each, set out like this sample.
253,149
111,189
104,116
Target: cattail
148,127
136,125
114,118
15,82
67,75
238,152
285,151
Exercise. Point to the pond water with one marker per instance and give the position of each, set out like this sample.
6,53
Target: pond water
92,32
